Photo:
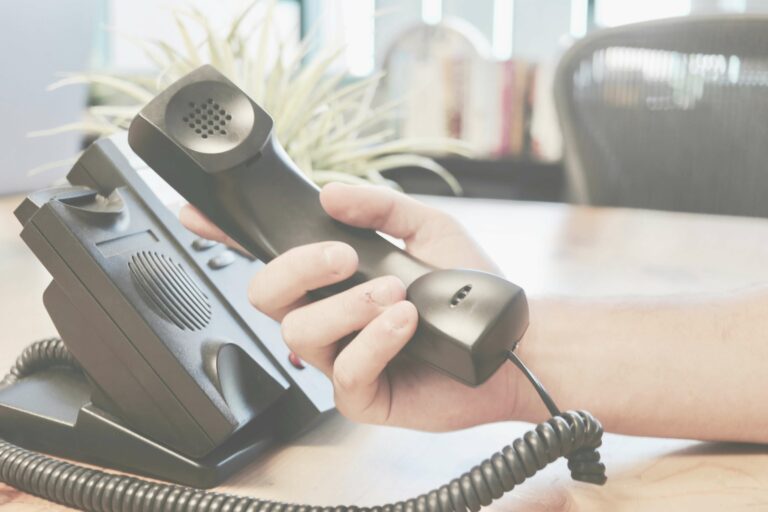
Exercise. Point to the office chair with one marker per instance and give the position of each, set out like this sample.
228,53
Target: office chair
669,115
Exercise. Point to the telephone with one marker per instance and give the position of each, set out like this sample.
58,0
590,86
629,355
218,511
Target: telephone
164,369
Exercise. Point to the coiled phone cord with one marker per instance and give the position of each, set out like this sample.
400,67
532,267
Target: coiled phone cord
573,435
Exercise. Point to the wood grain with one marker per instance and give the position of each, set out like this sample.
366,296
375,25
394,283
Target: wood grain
546,248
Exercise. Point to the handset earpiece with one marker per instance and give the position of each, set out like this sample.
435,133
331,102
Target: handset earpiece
216,147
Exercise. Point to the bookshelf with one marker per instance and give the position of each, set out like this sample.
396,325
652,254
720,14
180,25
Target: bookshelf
492,178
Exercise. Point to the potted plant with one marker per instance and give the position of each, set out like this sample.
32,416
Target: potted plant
330,125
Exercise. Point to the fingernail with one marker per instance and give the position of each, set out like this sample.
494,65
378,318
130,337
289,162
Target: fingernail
336,256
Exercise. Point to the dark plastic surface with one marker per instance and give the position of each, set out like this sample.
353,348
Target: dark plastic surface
171,345
244,181
143,350
51,411
109,164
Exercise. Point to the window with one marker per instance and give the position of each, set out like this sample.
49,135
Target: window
611,13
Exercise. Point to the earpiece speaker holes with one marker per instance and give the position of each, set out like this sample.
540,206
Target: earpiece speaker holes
460,295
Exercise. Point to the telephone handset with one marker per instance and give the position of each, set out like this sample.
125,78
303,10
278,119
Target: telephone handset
164,369
216,147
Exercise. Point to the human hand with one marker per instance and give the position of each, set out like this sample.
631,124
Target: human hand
372,381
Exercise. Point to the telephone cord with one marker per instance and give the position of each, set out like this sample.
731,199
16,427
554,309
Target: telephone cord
575,435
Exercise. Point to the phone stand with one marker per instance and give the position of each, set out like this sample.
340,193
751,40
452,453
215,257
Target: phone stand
51,411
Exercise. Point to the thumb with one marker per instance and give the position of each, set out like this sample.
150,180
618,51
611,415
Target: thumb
382,209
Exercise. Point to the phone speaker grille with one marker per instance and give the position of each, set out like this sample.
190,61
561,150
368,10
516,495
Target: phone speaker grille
170,290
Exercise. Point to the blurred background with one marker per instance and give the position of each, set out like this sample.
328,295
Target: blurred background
481,71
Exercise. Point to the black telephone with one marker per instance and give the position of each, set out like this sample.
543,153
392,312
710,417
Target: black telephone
165,369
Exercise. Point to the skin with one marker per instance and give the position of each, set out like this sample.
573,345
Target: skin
683,367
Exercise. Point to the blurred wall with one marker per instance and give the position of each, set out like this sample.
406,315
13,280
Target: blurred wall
38,40
536,27
718,6
540,27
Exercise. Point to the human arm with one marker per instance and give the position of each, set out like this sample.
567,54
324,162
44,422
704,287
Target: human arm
679,366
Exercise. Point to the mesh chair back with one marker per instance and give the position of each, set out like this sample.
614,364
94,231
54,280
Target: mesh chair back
669,115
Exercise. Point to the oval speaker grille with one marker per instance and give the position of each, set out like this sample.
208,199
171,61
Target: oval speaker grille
170,290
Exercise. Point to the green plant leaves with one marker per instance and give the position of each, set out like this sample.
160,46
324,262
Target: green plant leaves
328,123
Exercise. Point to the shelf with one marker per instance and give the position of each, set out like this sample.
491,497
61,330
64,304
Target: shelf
503,178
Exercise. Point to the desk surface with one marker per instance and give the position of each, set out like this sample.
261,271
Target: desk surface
546,248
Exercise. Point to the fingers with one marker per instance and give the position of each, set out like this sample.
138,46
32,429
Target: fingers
312,331
358,372
195,221
283,282
381,209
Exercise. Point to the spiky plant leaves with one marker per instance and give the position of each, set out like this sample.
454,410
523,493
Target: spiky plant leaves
327,122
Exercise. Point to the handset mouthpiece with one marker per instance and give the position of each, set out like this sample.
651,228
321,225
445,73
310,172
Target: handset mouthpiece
205,115
209,117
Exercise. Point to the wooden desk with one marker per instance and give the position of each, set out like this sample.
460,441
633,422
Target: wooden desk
546,248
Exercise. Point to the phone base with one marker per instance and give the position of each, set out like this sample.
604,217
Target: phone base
51,411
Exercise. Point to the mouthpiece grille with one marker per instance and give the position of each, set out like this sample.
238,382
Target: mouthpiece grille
207,118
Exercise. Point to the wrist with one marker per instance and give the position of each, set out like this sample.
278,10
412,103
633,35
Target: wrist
526,404
549,354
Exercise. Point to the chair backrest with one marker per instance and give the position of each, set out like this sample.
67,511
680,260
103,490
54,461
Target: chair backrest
669,114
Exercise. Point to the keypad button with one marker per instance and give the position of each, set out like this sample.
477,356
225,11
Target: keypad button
295,361
222,260
203,244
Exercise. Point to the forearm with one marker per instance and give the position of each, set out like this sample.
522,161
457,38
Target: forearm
690,368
